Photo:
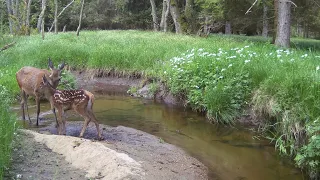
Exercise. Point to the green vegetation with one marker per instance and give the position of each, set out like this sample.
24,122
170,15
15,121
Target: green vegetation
219,75
7,129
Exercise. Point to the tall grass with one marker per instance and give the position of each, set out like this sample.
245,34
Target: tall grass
7,129
221,76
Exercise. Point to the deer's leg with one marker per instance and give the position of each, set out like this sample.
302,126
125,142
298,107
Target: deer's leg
38,108
22,94
93,118
26,104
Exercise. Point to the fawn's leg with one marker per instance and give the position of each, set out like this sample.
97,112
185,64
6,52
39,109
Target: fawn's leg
63,122
81,110
55,116
93,118
60,125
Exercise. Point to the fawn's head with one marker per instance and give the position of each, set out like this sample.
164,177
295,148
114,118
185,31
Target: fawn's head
55,74
45,84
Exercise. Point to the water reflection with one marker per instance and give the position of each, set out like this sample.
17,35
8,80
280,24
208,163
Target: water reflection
229,152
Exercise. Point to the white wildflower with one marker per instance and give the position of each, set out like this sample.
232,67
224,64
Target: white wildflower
318,67
223,69
246,61
230,65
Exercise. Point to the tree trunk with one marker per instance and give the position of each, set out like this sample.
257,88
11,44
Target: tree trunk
166,15
305,30
16,13
265,22
154,15
283,29
189,14
9,8
206,25
80,18
175,16
41,16
275,22
28,17
228,29
56,16
164,9
42,28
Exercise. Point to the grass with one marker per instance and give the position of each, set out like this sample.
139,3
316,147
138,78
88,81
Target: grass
7,130
221,76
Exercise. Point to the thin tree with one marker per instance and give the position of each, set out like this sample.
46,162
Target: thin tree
10,14
16,14
165,14
175,13
275,22
27,32
228,29
60,14
190,16
265,22
80,18
56,16
41,16
154,15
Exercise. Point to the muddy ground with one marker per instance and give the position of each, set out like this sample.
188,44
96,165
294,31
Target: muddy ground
125,153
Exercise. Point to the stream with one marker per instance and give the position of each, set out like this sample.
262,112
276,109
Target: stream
228,152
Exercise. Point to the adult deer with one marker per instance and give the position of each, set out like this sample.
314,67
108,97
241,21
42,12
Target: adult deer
79,100
29,80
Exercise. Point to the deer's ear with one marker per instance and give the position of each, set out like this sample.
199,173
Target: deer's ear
50,64
61,66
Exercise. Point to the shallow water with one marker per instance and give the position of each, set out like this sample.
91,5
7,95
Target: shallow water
228,152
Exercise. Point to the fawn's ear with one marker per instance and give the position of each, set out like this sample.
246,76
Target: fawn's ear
44,79
50,64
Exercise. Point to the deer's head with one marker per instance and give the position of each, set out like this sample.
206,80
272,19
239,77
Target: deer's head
55,74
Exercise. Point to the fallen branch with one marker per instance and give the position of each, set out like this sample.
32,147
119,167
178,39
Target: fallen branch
7,46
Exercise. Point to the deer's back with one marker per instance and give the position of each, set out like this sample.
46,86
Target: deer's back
29,78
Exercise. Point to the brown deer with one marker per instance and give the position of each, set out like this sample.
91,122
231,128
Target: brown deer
29,80
79,100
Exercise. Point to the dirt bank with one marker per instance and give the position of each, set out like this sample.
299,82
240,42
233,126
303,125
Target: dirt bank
125,153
